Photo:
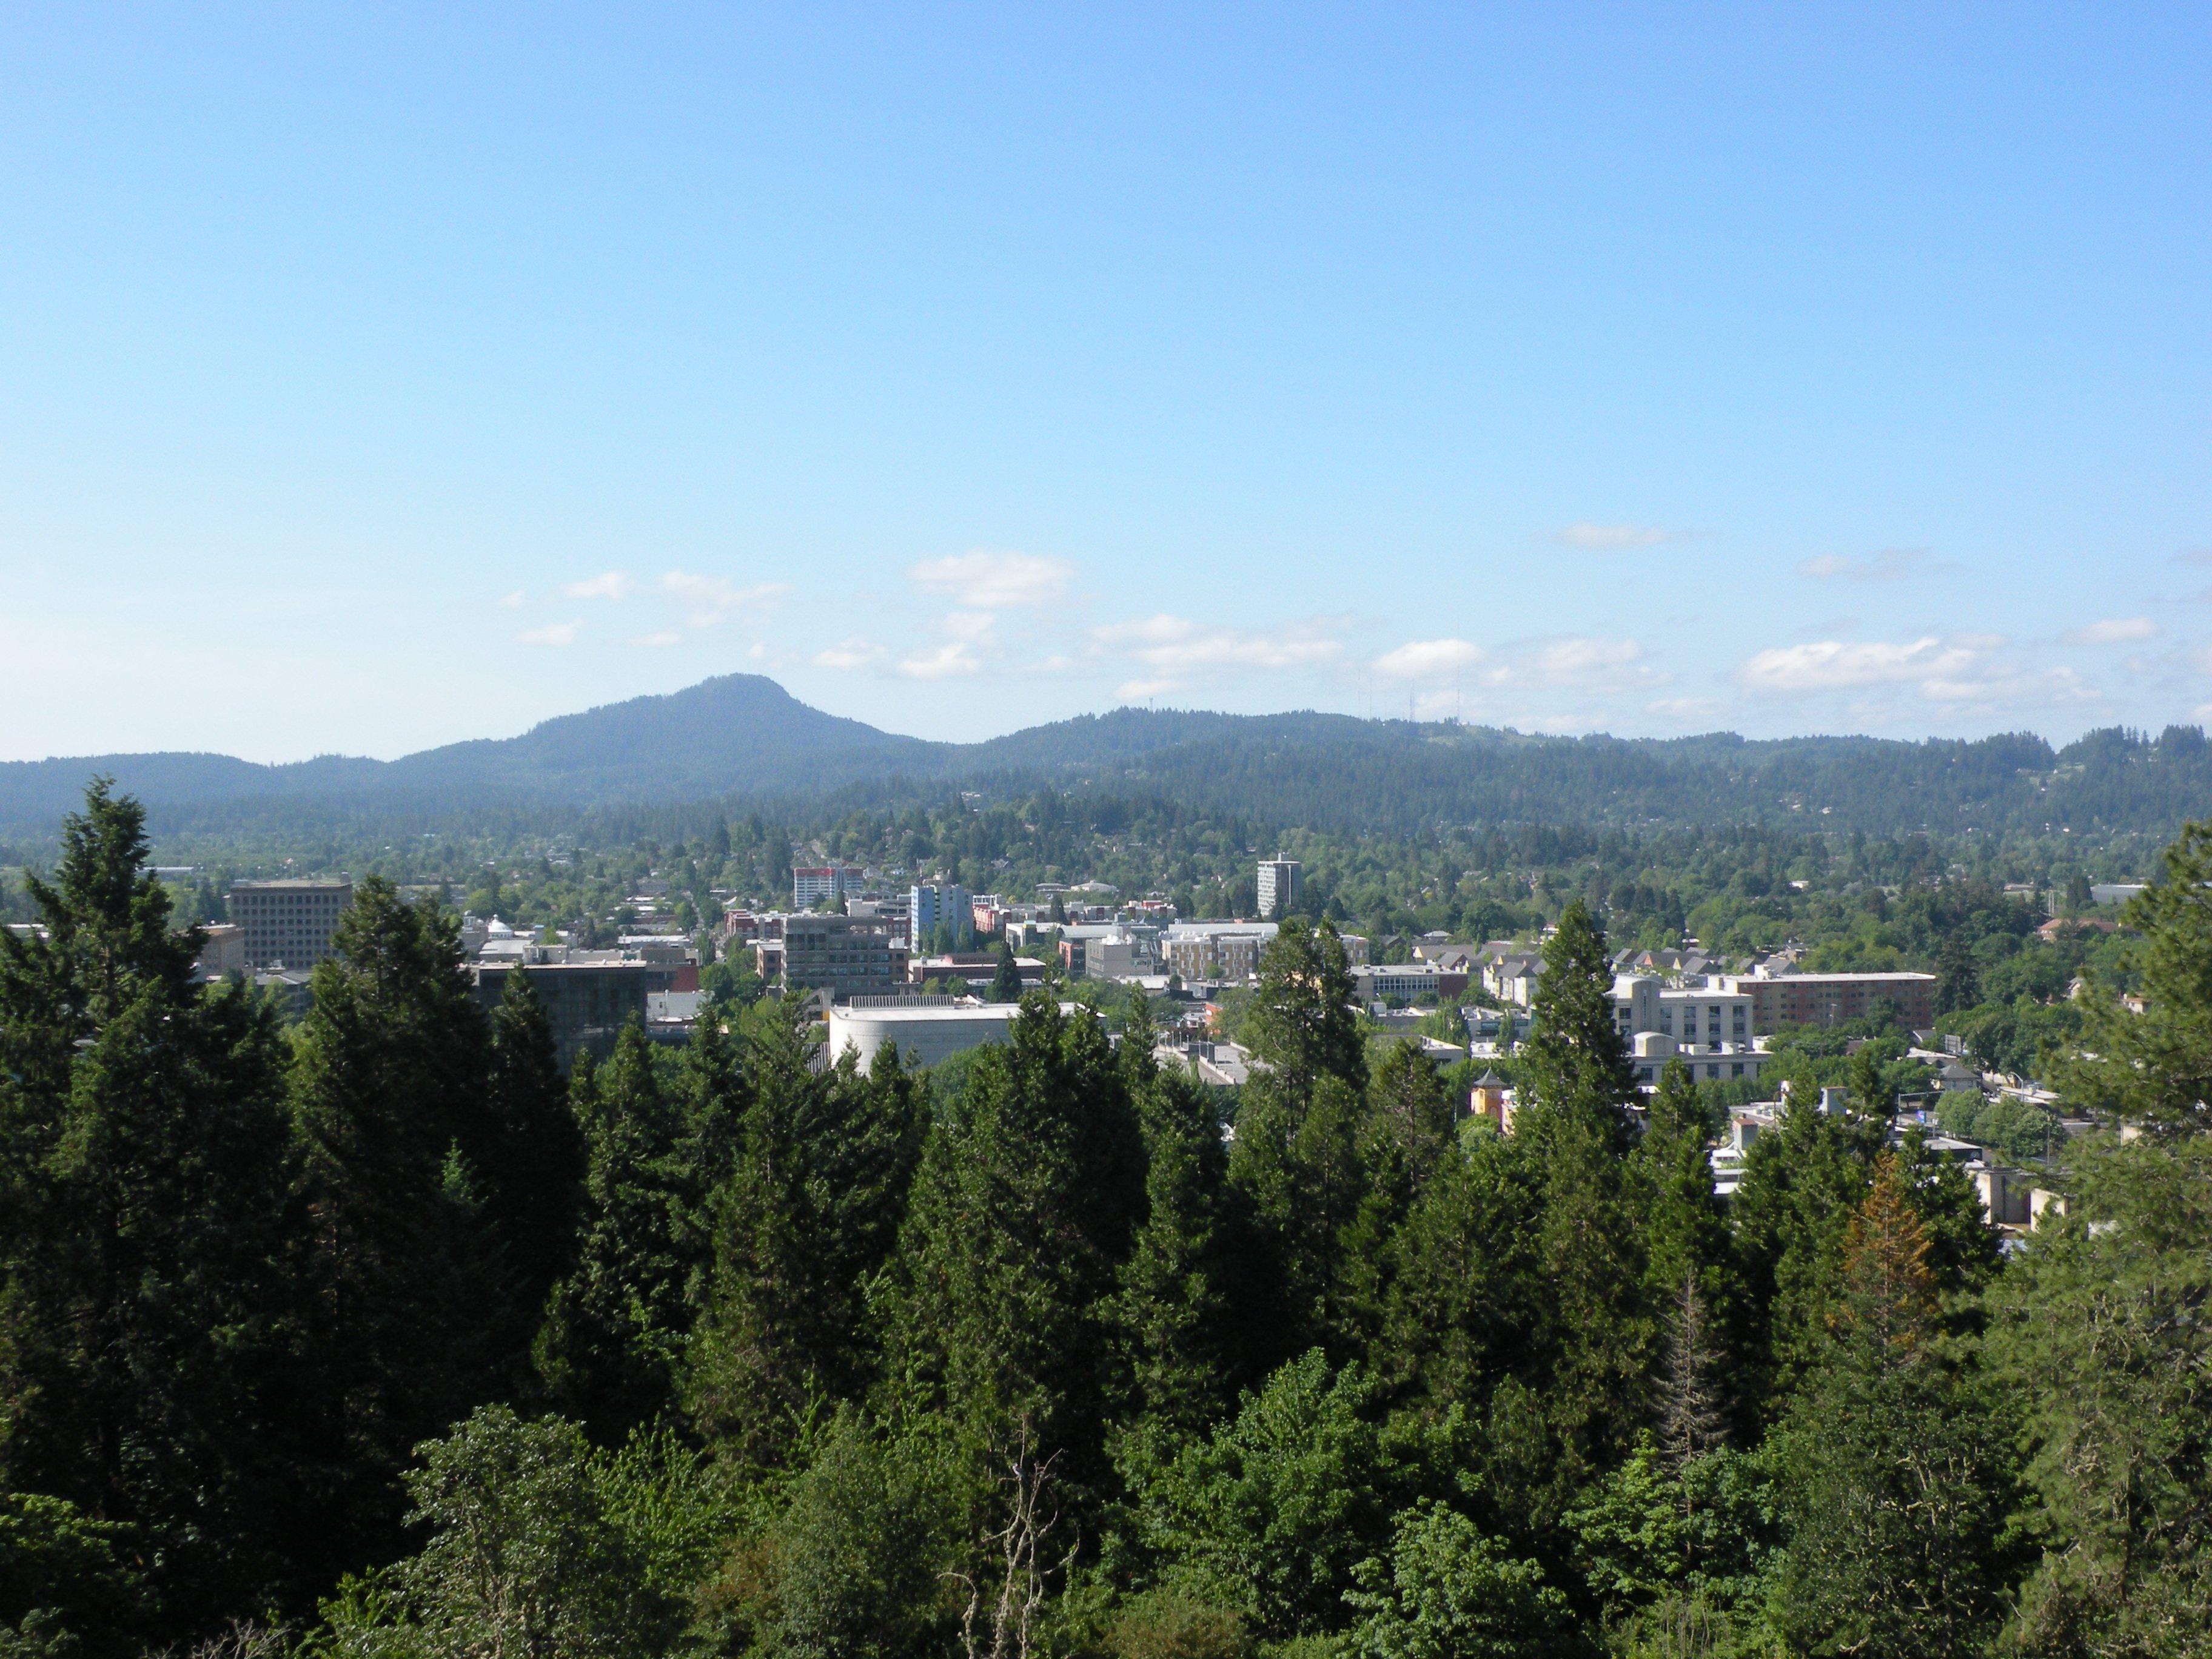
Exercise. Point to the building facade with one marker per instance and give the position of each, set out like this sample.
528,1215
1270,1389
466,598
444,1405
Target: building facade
935,904
287,922
1709,1030
1832,999
587,1003
1215,949
845,956
823,884
1282,881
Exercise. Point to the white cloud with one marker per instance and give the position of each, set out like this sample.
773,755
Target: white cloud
1574,658
1609,537
1834,665
1688,709
1142,691
2113,630
1421,660
1959,670
708,600
1891,564
556,633
666,636
514,601
854,652
996,582
1180,646
953,657
614,584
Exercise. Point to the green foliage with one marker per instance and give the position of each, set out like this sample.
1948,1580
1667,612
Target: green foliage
2100,1334
1269,1516
67,1581
996,1307
143,1170
2155,1068
1448,1592
527,1554
808,1216
1895,1464
615,1325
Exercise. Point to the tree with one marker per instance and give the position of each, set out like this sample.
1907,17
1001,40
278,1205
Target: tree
1957,980
615,1325
1270,1514
2098,1331
1685,1227
810,1214
387,1089
1578,1085
530,1553
1896,1474
2155,1068
1029,1193
1448,1592
533,1152
1007,978
1171,1306
143,1168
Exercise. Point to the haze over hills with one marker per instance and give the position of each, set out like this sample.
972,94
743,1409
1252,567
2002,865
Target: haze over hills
742,737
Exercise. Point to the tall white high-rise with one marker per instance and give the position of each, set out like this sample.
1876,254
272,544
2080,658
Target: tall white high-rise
1280,881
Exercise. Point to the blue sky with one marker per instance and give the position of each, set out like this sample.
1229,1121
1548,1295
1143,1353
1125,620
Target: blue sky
376,377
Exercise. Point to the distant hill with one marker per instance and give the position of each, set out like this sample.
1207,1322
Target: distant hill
742,737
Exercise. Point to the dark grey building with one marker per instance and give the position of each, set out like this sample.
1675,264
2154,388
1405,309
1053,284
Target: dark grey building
587,1003
843,955
287,922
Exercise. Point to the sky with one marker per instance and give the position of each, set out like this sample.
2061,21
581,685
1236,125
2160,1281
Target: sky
377,377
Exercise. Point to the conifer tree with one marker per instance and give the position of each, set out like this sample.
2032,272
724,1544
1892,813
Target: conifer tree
616,1325
1170,1309
2099,1330
1029,1189
1465,1303
2154,1068
1296,1162
1896,1472
1686,1225
404,1279
1578,1085
532,1156
1007,978
143,1162
824,1160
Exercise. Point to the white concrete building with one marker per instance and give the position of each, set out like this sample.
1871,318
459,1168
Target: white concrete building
1709,1030
1281,882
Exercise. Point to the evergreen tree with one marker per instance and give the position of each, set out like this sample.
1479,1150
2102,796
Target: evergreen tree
1029,1189
143,1164
1007,978
1296,1162
532,1153
2155,1068
1466,1304
2099,1330
1171,1307
826,1157
615,1325
1686,1229
1578,1084
1957,980
1896,1469
1802,1180
404,1280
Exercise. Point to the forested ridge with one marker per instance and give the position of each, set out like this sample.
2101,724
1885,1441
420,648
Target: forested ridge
375,1334
741,745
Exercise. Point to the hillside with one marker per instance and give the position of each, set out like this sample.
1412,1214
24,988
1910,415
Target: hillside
742,737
